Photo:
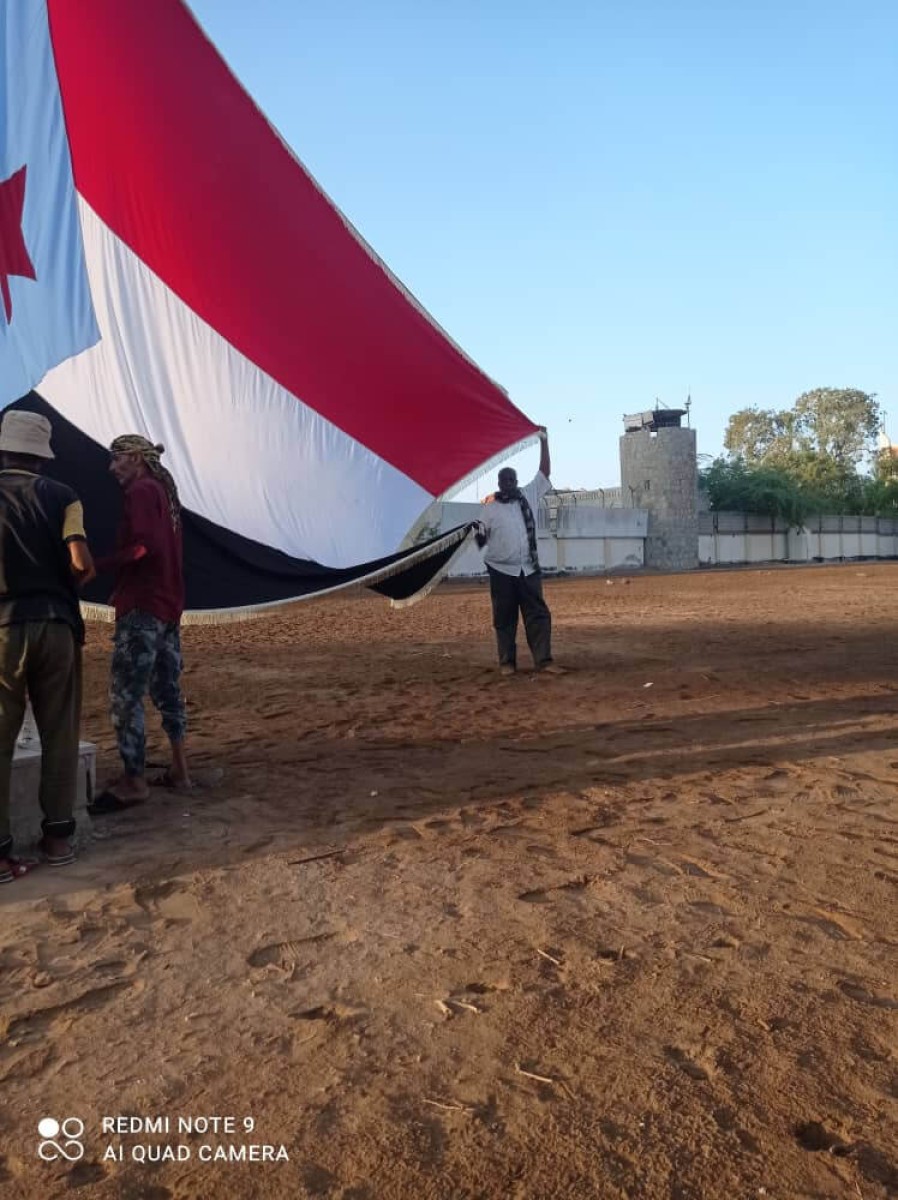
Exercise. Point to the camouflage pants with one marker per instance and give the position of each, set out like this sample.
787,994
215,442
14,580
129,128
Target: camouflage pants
146,658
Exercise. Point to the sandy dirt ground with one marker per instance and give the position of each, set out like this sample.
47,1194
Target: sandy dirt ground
631,932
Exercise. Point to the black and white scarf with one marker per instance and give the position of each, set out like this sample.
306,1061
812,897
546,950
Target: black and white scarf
527,514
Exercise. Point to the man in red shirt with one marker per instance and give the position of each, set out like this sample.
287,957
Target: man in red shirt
149,600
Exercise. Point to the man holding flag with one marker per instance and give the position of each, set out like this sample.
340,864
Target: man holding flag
507,534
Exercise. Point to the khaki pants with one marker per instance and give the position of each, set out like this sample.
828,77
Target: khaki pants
41,661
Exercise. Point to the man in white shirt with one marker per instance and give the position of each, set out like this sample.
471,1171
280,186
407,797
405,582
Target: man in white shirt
507,535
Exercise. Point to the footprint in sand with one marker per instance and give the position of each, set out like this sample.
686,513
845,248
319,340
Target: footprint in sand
613,955
285,954
709,908
654,863
689,1064
510,831
549,894
594,832
726,941
535,850
701,870
868,1047
404,833
776,1024
814,1136
485,989
39,1023
834,925
843,792
85,1173
858,993
725,1119
332,1014
318,1181
170,899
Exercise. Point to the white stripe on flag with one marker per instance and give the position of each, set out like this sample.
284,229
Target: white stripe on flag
245,452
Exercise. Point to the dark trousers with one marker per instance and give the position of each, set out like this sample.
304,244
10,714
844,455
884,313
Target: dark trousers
41,660
522,594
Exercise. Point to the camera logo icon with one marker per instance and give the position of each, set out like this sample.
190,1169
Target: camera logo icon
60,1139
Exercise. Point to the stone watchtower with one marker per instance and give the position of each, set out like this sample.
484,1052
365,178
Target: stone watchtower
659,473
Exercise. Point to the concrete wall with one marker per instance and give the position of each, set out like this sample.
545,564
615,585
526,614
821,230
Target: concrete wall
572,538
728,537
609,497
659,473
593,539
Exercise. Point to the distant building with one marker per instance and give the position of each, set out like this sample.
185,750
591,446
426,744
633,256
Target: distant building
659,474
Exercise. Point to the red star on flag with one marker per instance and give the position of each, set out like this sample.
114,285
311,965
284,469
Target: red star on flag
14,258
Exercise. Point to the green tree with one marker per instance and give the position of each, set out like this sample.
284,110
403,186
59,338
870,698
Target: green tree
757,434
885,465
736,486
879,497
806,458
840,424
826,484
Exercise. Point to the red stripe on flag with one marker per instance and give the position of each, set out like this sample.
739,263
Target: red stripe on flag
178,162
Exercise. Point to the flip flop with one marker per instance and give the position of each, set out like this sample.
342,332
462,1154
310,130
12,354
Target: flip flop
17,869
107,802
56,860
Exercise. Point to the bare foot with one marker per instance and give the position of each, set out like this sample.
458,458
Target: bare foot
178,774
130,787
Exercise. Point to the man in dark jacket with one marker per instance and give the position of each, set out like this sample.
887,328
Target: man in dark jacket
44,557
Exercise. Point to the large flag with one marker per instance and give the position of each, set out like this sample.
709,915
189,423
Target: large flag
45,307
311,410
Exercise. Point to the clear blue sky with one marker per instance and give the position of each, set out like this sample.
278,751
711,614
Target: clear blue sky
607,202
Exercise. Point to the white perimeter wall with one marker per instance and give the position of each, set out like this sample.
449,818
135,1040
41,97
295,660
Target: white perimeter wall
730,538
590,538
570,538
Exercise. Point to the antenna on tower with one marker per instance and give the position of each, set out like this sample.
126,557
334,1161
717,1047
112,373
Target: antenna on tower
688,407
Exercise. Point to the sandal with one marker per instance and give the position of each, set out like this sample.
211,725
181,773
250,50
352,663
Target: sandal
18,868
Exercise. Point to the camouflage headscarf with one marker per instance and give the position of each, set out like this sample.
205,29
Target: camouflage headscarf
133,443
